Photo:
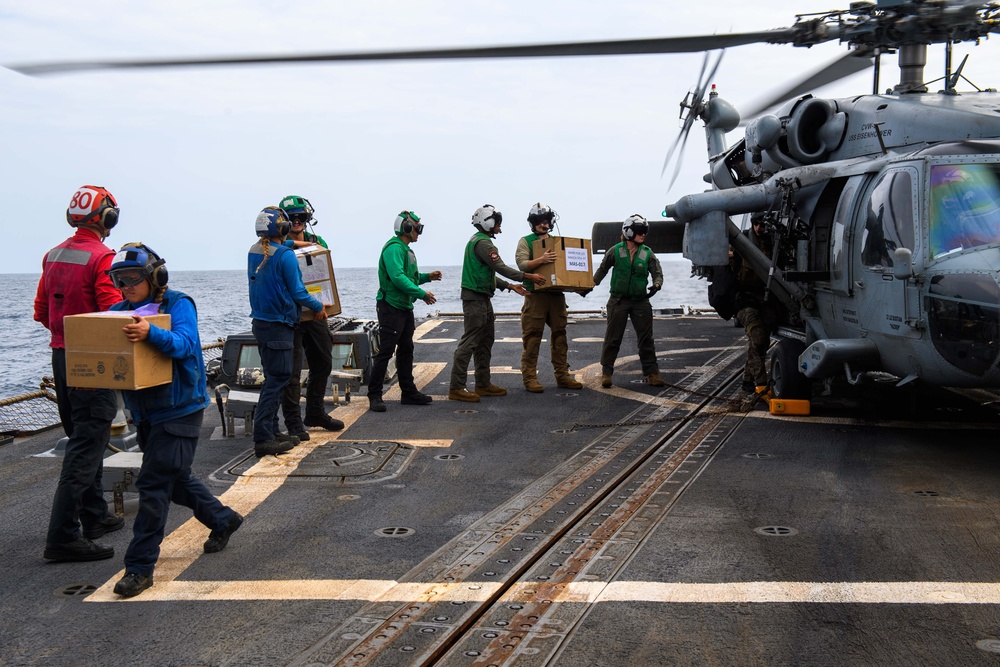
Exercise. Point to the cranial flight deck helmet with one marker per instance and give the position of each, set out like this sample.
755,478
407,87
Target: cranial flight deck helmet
138,257
93,205
298,209
406,222
634,225
540,213
272,222
487,218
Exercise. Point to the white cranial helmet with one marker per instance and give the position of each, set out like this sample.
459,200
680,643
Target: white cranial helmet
486,218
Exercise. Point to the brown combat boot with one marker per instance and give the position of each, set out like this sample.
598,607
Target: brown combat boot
654,380
606,381
568,382
462,394
491,390
533,386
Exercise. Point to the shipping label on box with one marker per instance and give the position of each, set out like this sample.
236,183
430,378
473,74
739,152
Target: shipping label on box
318,277
573,269
99,356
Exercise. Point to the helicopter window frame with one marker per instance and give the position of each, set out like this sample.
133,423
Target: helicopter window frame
945,240
894,224
842,233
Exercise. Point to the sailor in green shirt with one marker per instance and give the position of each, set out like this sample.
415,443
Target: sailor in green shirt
398,281
480,267
631,264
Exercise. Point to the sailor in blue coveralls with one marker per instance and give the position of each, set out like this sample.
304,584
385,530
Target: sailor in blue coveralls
168,417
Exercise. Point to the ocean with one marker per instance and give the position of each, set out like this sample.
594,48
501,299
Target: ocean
223,308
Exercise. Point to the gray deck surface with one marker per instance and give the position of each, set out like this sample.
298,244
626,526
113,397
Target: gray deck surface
892,556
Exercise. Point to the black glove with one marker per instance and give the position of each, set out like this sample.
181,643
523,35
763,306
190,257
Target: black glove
652,290
585,292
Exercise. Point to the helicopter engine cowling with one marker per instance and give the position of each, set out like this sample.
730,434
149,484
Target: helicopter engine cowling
810,130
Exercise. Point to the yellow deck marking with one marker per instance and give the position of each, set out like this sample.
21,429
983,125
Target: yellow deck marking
183,546
588,592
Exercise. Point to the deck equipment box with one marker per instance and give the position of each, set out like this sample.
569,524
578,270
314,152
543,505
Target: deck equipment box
98,356
573,270
317,274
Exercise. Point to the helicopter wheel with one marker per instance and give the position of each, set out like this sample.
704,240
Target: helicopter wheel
786,380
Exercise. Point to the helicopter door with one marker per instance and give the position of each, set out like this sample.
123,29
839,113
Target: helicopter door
885,223
840,236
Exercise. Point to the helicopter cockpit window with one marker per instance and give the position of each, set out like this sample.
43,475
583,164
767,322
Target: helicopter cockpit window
964,207
889,223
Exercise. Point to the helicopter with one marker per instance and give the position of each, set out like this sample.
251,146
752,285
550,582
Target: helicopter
884,206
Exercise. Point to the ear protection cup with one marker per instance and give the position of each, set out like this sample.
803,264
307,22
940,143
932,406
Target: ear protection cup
109,217
405,223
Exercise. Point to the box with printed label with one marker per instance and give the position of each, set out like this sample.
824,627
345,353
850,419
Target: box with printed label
573,270
317,275
99,356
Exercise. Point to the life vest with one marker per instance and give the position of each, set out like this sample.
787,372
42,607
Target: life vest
477,276
630,276
530,238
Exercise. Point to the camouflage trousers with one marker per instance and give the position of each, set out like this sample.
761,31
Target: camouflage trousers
758,323
541,308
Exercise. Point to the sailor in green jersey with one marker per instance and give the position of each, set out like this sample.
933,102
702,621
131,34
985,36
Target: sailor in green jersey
398,288
631,264
479,283
541,308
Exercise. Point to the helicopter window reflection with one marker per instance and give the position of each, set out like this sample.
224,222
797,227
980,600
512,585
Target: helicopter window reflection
889,223
964,206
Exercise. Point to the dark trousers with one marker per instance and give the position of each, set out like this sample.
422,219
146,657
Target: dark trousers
87,415
477,342
619,313
165,476
395,335
314,337
274,342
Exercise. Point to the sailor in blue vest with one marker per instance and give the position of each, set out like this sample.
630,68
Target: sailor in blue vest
168,417
631,264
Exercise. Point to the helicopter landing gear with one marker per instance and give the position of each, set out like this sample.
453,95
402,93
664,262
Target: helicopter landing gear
786,380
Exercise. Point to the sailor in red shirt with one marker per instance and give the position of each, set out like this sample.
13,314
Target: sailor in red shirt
74,281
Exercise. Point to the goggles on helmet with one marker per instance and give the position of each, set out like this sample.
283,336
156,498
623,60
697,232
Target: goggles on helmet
300,217
127,277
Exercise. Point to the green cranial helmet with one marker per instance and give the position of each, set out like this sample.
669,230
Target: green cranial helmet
298,209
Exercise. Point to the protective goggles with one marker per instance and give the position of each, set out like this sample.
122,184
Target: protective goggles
300,217
127,277
639,229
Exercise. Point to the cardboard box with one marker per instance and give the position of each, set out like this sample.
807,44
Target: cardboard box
98,356
573,270
317,274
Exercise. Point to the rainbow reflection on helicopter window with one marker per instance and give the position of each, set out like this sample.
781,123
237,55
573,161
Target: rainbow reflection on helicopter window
964,206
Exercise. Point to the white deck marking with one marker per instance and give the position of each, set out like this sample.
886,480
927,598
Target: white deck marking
590,592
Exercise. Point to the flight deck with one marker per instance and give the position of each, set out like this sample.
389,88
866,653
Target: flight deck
633,525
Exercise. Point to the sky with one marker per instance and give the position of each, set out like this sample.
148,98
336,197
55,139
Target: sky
192,155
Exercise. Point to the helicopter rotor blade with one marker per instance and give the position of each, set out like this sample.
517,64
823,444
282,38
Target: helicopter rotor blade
686,125
853,62
691,44
695,110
